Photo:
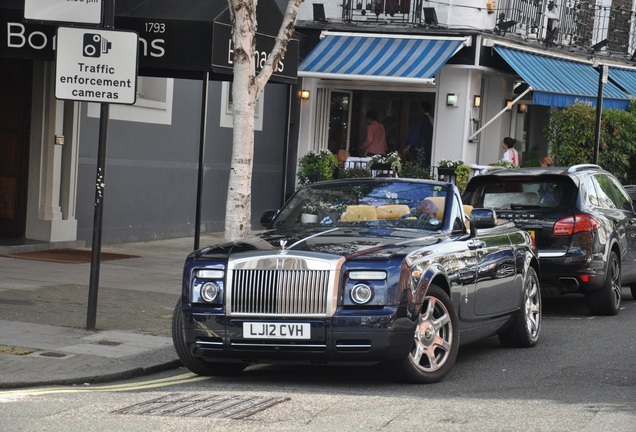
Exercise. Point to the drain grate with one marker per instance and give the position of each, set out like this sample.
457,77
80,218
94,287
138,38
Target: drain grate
198,405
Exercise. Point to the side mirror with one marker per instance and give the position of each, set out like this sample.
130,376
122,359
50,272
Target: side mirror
482,218
267,217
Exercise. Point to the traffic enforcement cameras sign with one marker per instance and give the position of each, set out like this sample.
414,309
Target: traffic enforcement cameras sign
77,11
94,65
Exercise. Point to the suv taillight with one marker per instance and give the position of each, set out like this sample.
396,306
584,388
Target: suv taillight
573,224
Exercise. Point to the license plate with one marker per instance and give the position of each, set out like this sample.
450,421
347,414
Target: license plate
264,330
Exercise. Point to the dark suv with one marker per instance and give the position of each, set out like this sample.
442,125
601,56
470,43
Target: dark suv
582,221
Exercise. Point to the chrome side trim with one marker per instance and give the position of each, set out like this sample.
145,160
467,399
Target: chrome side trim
274,345
349,346
551,254
209,343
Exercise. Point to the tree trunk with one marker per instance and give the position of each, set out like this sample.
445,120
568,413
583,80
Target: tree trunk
246,89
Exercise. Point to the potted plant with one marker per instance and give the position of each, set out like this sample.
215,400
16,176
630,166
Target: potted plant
505,164
315,167
309,214
447,167
391,163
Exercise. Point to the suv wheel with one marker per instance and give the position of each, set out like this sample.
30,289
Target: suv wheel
607,300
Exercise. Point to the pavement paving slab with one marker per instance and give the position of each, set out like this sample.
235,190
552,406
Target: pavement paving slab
44,307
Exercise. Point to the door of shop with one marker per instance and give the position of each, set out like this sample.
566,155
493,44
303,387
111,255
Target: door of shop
15,108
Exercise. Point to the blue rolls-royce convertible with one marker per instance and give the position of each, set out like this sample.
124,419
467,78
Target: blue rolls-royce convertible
361,271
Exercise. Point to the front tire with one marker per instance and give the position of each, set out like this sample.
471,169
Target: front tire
197,365
607,300
435,342
526,324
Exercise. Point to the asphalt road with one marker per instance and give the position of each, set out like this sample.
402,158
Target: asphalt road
581,377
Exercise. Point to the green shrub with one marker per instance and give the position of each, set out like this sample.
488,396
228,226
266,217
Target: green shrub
353,172
462,175
415,168
571,133
315,167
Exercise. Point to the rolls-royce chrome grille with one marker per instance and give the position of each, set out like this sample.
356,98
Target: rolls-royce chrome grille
280,292
282,285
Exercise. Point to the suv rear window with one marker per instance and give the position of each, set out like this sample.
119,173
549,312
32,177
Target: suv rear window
516,194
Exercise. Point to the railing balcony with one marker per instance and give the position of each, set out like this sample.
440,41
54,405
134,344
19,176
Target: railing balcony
394,11
580,25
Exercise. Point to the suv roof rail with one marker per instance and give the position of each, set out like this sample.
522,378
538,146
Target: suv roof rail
581,167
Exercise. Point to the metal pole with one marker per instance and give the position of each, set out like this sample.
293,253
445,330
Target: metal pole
602,78
204,119
499,114
100,182
290,95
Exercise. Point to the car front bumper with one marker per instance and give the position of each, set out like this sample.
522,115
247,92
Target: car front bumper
347,337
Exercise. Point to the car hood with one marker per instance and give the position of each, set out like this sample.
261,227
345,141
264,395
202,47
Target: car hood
350,243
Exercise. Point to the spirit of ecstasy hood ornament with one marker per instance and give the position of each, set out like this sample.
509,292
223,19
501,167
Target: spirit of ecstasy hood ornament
283,243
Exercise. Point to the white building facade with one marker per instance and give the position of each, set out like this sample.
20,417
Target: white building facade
514,61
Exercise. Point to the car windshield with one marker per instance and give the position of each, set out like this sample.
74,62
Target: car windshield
518,194
387,203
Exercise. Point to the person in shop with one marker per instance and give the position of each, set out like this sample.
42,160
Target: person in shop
420,135
375,144
546,161
510,154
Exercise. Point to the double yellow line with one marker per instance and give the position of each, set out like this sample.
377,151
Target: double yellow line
143,385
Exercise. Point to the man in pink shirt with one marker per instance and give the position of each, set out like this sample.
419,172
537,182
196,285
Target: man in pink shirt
376,136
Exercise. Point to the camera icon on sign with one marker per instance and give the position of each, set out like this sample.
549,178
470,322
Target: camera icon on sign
95,45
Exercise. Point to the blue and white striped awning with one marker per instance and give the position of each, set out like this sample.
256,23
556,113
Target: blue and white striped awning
379,57
625,78
560,82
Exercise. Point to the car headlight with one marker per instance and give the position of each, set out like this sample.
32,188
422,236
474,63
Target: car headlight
210,291
361,293
208,285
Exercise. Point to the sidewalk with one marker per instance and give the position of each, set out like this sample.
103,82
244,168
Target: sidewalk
43,313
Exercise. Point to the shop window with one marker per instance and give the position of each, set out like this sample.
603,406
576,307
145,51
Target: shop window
153,105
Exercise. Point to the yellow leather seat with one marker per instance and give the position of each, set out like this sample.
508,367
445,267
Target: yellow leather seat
392,211
468,209
359,213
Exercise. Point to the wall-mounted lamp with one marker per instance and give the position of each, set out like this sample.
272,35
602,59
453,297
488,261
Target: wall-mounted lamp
522,108
304,94
477,101
509,105
452,100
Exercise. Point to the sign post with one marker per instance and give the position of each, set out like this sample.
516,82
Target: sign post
77,11
93,65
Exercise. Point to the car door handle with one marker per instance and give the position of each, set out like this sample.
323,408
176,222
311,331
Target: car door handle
476,244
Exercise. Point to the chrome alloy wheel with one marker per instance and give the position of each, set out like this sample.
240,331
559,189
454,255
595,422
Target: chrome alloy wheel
433,337
615,274
533,308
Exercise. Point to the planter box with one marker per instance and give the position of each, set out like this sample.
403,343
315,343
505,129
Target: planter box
445,172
